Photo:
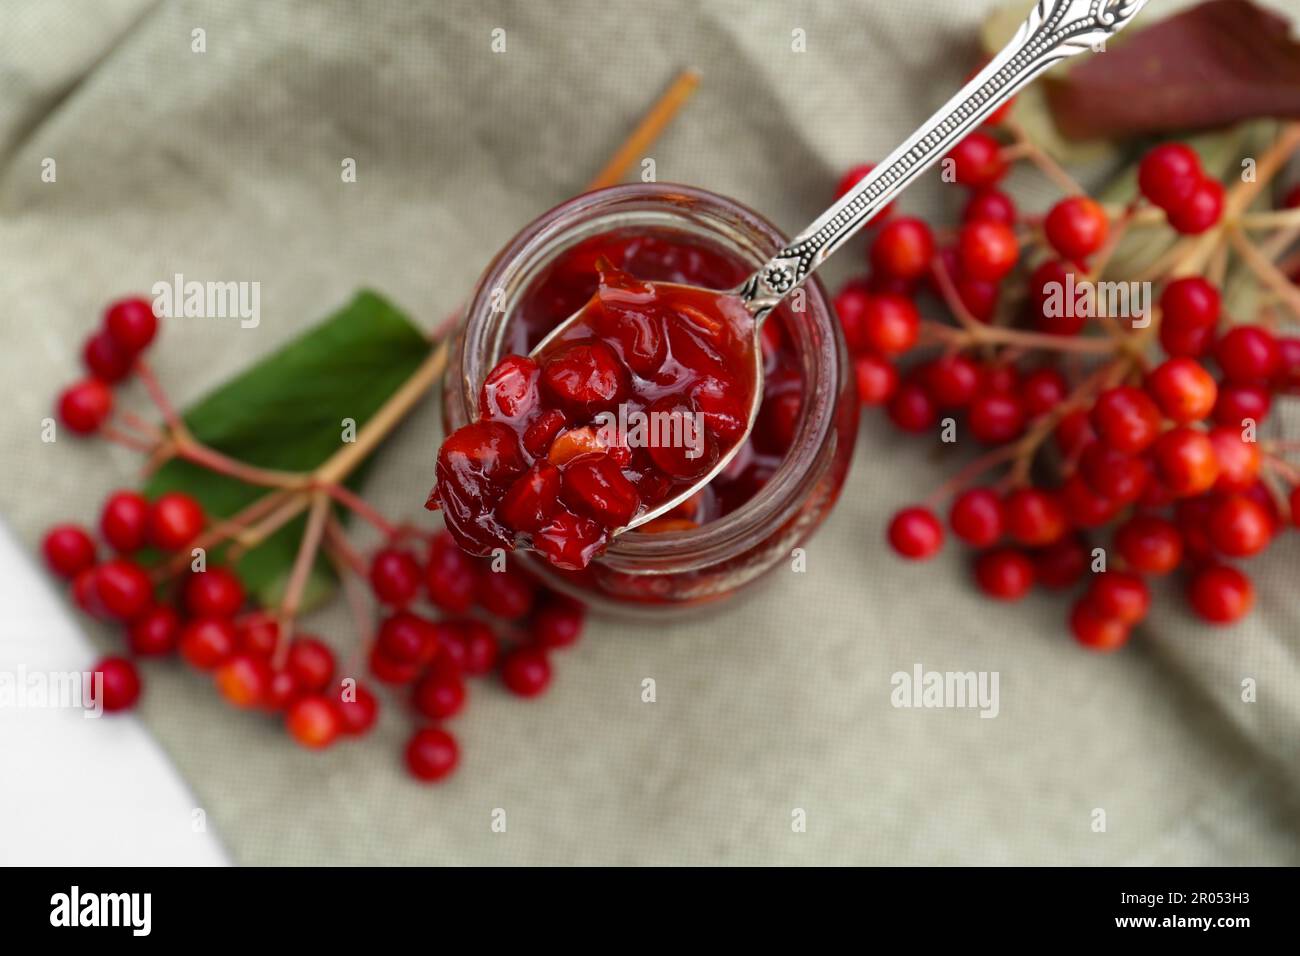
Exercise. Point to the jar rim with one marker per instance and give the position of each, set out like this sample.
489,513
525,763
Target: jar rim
784,493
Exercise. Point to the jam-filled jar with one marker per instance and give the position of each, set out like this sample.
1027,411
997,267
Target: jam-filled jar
785,480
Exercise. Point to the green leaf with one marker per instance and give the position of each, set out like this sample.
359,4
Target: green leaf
287,413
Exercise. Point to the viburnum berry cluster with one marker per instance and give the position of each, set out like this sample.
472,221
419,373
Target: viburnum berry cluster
444,616
1120,447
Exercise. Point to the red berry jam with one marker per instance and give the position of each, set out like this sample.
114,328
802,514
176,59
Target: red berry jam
782,481
621,413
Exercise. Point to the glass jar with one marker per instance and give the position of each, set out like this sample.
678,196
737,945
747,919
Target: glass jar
704,239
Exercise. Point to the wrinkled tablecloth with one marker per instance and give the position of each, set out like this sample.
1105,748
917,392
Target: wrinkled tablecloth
225,164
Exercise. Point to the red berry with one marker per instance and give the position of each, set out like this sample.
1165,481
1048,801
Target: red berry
1095,631
86,593
440,693
558,623
990,205
996,417
1200,210
1239,403
311,663
1247,354
155,632
1054,309
1035,516
390,670
911,408
280,693
1042,390
407,638
258,634
123,589
951,380
1239,526
586,377
987,250
891,324
916,533
1189,315
977,517
105,359
593,485
510,391
431,754
570,541
471,646
1060,565
1113,475
1149,545
119,682
357,710
1185,461
903,249
394,576
1168,174
1238,460
83,407
206,642
68,550
216,592
1004,573
1287,377
313,722
526,671
1117,594
131,323
507,594
1221,594
851,305
1073,433
1077,227
1126,419
474,462
124,522
175,520
243,680
1084,506
976,161
877,379
1183,389
449,575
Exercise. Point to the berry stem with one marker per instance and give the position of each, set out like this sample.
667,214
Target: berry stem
1267,273
119,437
302,565
346,497
1039,157
999,335
951,298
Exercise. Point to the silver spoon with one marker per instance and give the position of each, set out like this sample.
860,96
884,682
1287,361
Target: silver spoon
1054,30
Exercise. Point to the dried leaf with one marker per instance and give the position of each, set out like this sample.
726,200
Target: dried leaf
1215,64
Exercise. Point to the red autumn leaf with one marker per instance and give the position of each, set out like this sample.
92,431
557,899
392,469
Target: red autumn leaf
1221,62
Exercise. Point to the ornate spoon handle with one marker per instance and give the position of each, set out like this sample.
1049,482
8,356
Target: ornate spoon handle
1055,29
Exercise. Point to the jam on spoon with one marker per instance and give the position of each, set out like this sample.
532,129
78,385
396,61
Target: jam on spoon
678,355
616,417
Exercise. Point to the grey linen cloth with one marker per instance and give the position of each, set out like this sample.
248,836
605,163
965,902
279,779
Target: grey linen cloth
225,165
